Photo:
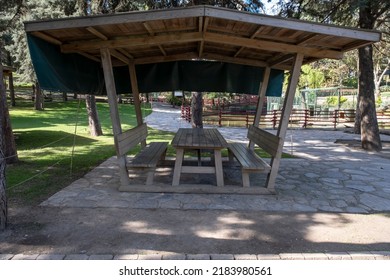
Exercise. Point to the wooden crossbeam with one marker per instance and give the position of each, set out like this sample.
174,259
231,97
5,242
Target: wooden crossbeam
271,46
127,42
97,33
151,32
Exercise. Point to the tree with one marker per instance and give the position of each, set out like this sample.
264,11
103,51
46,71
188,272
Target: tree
3,194
95,129
196,110
368,14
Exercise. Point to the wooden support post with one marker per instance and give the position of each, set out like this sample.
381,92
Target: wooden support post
283,125
114,113
135,91
262,91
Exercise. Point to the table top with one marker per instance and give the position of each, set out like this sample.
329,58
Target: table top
199,138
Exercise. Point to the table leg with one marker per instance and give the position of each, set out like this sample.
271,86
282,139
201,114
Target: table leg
218,168
178,165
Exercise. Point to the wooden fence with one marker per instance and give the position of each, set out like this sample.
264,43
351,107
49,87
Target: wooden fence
299,118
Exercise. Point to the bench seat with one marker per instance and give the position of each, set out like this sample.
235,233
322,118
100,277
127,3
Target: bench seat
148,158
249,161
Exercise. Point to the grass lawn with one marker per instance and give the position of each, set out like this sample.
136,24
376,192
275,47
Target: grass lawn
46,141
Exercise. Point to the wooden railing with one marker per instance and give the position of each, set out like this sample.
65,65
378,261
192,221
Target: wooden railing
299,118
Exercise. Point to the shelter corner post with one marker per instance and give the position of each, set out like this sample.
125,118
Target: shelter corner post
262,92
114,112
283,124
135,91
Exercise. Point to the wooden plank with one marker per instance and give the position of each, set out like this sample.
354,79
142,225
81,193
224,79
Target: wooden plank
195,189
127,42
264,139
130,138
135,91
47,38
293,24
114,113
272,46
118,18
283,125
97,33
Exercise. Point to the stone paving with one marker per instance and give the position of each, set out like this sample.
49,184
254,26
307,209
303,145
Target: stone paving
324,176
374,255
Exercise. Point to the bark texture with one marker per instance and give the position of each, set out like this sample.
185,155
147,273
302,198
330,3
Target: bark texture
196,110
95,127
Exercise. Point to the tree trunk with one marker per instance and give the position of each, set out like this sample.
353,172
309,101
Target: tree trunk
93,118
3,155
3,194
370,136
196,110
9,149
38,104
64,96
11,82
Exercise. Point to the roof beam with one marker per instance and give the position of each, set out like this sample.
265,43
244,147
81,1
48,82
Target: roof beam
203,24
271,46
151,33
120,56
47,38
89,56
97,33
253,36
132,42
168,58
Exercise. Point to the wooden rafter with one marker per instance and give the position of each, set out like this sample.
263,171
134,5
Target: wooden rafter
151,33
47,38
253,36
203,24
97,33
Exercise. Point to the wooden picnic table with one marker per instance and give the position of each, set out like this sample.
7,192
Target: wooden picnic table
196,139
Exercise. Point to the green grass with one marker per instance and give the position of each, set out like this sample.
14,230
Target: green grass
46,141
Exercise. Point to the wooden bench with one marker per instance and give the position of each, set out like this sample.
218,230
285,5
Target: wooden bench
149,156
250,162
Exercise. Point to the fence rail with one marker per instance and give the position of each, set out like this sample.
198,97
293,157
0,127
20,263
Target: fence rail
299,118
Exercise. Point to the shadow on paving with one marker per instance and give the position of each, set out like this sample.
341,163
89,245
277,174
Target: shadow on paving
138,231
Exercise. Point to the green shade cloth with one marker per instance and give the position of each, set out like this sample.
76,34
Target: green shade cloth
73,73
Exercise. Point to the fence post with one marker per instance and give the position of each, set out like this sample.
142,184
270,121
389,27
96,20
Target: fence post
335,119
306,118
220,117
274,119
247,120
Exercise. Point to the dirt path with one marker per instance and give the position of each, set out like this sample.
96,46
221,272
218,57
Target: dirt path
52,230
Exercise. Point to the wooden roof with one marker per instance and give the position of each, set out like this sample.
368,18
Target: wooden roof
200,32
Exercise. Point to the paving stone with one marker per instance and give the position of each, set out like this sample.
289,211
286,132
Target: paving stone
150,257
315,256
126,257
361,255
77,257
174,257
101,257
292,256
381,255
25,257
268,257
51,257
245,257
4,257
338,256
375,202
221,257
198,257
